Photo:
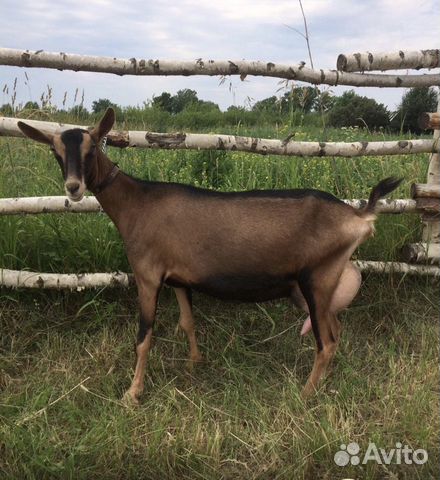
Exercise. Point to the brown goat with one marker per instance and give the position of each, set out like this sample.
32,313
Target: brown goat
246,246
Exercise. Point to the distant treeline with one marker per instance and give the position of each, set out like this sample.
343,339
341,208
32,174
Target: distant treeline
299,106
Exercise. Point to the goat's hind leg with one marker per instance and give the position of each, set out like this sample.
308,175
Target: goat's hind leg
317,288
187,324
347,288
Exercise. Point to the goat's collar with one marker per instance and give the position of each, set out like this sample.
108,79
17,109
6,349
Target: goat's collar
108,180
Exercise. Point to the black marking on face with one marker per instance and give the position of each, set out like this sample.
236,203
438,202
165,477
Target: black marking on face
60,161
73,164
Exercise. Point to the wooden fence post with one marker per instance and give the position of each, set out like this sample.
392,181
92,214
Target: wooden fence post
427,197
431,227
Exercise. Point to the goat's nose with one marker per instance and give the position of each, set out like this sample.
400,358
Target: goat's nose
72,187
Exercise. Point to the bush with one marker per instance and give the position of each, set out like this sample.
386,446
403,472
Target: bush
414,102
351,110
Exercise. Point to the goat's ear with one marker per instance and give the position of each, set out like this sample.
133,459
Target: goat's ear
104,125
35,134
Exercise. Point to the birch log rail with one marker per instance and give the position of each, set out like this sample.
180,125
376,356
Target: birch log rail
421,253
401,60
61,204
202,141
59,281
208,67
73,281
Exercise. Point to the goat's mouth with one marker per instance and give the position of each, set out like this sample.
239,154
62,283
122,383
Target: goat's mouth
74,194
76,198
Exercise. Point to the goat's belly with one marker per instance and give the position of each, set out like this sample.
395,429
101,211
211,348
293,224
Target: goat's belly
242,288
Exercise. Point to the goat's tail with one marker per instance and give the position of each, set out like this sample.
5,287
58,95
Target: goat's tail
384,187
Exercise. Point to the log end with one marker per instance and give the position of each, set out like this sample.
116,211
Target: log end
423,121
425,190
429,121
341,63
429,206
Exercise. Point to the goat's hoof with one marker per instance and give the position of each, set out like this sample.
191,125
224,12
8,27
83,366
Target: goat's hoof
130,399
308,391
193,361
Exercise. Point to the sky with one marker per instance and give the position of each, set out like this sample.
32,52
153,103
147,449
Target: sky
192,29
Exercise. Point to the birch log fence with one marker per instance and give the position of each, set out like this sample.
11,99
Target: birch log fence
141,66
425,197
203,141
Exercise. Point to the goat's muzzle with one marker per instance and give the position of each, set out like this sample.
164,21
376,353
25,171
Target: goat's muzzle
74,189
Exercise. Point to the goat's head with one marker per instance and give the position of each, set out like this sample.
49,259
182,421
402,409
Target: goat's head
76,151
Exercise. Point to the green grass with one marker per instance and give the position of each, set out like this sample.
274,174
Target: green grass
239,414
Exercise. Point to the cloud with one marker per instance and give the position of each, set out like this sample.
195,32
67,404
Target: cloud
190,29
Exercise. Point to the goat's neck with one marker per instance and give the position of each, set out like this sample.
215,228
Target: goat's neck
118,198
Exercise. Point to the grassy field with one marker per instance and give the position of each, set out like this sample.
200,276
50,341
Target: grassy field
66,358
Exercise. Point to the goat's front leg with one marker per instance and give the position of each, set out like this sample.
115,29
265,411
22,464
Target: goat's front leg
186,322
148,294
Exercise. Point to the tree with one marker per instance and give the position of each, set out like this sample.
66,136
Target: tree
6,109
183,99
176,103
79,112
324,101
300,99
101,105
164,101
202,106
270,104
414,102
31,106
350,110
207,106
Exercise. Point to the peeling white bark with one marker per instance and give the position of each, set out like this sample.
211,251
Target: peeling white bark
421,252
78,282
139,66
9,127
400,205
262,146
54,204
397,267
401,60
59,204
60,281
